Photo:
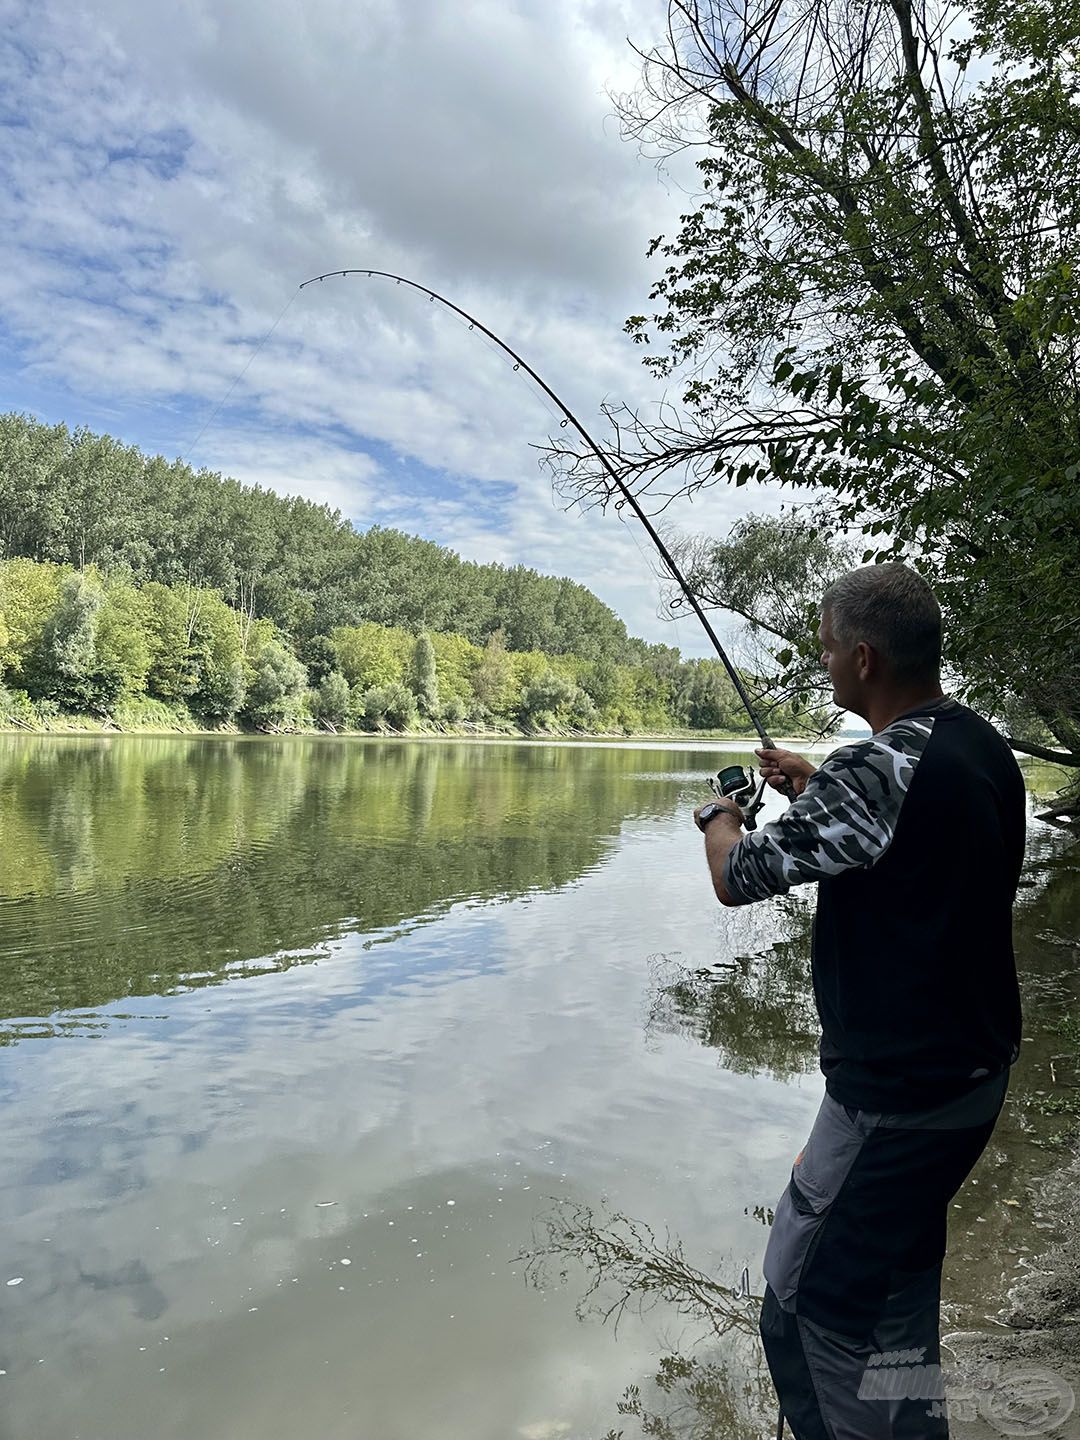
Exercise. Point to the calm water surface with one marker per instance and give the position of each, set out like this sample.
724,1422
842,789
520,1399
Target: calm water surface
300,1039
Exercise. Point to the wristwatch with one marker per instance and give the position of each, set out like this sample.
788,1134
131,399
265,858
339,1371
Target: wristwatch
711,810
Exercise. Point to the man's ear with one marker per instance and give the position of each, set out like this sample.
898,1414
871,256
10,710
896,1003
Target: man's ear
866,661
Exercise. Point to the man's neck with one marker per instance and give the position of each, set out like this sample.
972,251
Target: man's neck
882,710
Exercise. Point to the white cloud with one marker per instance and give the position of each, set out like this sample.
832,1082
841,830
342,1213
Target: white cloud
178,170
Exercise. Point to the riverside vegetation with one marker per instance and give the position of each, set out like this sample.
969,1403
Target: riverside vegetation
151,595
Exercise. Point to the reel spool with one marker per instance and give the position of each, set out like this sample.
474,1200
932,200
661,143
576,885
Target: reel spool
733,783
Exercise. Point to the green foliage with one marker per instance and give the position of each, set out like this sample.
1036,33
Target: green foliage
370,656
29,594
276,692
330,703
601,682
217,653
873,298
65,668
148,712
457,662
124,648
546,699
16,707
168,618
494,682
319,657
81,499
75,642
423,681
388,705
455,712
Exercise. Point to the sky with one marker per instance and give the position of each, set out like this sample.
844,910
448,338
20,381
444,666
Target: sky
170,174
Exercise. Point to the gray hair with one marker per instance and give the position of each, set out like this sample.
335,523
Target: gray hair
893,609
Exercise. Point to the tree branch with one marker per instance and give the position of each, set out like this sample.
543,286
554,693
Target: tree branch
1070,758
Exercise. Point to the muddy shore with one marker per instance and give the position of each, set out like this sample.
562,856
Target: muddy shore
993,1371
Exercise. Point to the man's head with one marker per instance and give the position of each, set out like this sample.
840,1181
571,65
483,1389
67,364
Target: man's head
880,631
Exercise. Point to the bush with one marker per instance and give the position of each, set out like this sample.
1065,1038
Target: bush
278,684
582,712
391,705
16,706
221,692
330,702
544,698
454,712
136,712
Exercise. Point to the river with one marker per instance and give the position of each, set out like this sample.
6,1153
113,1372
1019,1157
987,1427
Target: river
302,1040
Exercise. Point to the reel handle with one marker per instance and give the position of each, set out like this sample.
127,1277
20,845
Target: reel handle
733,783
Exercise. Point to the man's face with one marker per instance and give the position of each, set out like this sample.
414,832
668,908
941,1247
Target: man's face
841,664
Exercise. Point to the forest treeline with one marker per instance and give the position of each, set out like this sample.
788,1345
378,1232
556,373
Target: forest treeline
81,499
153,594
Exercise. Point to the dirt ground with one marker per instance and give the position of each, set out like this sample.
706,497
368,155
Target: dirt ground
1025,1379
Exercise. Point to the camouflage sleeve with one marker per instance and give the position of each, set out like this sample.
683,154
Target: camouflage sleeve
844,820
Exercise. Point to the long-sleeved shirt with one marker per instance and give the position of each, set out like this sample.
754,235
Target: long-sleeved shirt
915,838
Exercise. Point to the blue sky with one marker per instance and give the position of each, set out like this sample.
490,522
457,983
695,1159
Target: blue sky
170,175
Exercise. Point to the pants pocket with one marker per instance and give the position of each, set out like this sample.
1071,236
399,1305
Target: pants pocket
816,1180
794,1226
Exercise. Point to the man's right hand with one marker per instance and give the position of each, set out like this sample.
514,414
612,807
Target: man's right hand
778,766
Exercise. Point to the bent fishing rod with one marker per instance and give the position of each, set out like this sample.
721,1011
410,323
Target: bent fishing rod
732,787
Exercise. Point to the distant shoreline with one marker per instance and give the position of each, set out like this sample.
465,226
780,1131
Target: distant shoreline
78,725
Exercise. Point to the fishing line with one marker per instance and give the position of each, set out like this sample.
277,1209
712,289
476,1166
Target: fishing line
250,361
627,495
648,563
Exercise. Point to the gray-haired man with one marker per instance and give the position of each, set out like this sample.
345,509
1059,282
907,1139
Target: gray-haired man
915,839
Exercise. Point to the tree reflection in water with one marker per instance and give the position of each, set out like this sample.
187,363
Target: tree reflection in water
722,1388
757,1010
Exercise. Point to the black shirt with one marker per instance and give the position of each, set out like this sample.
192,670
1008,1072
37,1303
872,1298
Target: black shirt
916,838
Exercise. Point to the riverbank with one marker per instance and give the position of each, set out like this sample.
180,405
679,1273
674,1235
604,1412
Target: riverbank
1020,1372
1033,1361
95,725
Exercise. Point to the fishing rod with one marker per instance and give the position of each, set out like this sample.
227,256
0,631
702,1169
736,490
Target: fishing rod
728,783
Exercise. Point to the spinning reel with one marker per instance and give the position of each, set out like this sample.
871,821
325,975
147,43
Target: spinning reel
733,783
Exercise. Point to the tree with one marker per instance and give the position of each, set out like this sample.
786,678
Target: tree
423,681
494,681
456,664
124,650
275,694
65,668
330,704
600,681
544,698
218,660
369,656
771,572
319,656
706,700
874,296
391,705
172,674
29,594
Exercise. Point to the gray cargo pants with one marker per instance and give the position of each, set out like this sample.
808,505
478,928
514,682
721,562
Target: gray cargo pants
850,1321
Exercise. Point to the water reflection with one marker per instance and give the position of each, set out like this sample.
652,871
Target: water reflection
474,1036
716,1383
756,1010
140,865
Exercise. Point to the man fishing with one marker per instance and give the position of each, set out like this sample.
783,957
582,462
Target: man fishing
915,839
